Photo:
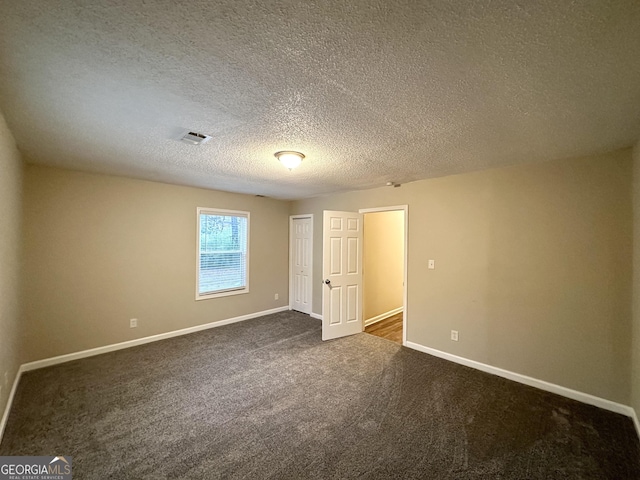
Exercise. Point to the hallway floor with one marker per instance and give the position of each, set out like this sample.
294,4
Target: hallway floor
389,328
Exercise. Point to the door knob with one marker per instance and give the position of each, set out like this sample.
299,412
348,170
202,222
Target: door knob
327,281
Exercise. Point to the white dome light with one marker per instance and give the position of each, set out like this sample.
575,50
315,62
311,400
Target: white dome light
289,159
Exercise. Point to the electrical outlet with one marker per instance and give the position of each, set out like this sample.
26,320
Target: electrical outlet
276,296
454,335
133,323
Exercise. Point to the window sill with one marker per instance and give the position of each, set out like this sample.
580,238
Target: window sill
207,296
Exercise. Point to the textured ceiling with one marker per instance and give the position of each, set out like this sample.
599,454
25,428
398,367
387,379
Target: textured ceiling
370,91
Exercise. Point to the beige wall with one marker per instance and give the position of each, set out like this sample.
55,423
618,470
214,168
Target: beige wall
532,267
101,250
635,372
10,219
383,260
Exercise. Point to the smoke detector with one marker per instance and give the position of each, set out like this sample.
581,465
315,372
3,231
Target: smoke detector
194,138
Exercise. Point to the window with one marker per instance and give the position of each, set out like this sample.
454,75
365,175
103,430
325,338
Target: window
223,259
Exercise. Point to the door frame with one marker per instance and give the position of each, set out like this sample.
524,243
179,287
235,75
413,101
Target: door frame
291,219
405,209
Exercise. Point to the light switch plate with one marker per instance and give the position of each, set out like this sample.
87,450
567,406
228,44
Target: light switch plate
432,264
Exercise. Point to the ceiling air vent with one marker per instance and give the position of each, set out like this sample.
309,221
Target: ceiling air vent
194,138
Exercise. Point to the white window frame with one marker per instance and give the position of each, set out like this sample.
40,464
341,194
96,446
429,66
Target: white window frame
221,212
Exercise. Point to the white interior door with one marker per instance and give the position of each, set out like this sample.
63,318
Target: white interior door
301,262
342,274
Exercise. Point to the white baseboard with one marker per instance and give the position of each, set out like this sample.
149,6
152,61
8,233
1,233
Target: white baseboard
532,382
7,408
141,341
371,320
634,417
383,316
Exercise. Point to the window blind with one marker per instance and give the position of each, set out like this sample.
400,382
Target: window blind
222,255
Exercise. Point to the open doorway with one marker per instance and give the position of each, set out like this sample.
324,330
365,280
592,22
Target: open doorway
384,273
342,273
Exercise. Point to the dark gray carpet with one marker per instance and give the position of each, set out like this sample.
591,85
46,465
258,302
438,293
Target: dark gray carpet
266,398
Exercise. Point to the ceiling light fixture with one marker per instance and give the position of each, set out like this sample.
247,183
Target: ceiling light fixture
289,159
